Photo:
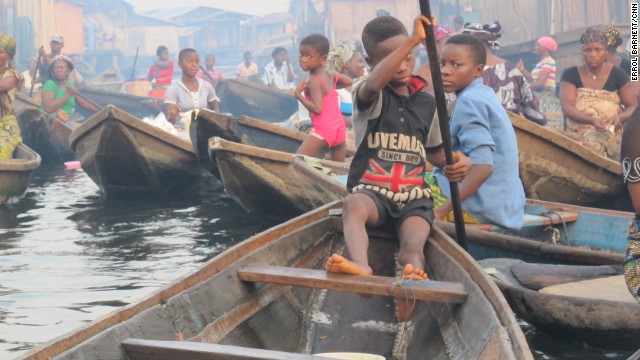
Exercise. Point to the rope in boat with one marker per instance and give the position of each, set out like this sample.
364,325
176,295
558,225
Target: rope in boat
555,233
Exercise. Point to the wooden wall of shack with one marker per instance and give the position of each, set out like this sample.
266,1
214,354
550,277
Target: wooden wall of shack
524,21
348,17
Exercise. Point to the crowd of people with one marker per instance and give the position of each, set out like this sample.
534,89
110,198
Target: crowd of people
391,110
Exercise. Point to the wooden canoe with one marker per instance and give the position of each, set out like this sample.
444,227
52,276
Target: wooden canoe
589,303
556,168
45,134
110,80
241,97
243,129
15,174
264,298
266,182
553,232
138,106
125,156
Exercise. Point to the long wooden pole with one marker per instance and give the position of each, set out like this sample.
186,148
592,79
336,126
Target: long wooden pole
441,108
35,75
135,60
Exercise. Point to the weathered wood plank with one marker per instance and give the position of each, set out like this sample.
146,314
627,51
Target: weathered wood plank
436,291
139,349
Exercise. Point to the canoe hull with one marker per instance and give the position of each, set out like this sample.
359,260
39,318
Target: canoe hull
241,97
15,174
243,130
138,106
606,324
303,320
125,156
266,182
46,135
556,168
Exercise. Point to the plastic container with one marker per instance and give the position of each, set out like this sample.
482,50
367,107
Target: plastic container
138,87
351,356
72,165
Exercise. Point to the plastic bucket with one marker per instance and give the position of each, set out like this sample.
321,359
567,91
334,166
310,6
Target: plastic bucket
138,87
351,356
72,165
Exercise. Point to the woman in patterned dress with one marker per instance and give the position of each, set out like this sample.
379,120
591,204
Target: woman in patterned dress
10,83
630,153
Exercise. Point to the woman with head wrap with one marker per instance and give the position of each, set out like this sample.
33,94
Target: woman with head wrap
10,82
59,95
596,97
614,40
346,59
543,75
503,76
441,34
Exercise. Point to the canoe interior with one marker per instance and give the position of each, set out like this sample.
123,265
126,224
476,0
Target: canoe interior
606,324
556,168
214,306
138,106
125,156
15,174
240,97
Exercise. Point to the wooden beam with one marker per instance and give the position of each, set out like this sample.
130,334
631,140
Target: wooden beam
139,349
428,290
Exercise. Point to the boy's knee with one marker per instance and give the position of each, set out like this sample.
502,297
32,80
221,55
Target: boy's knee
353,207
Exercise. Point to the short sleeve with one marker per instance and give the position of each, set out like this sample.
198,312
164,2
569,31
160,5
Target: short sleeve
49,85
572,77
434,138
171,96
362,113
620,77
211,92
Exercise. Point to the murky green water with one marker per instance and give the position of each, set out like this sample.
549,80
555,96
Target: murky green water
67,256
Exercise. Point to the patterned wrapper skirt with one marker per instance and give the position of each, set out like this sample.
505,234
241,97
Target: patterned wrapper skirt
632,259
10,136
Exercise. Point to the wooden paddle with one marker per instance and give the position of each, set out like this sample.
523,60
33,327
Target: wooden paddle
441,107
35,75
213,82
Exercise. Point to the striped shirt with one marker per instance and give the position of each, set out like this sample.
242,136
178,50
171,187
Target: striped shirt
548,65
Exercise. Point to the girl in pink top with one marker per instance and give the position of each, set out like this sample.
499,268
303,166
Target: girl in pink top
321,99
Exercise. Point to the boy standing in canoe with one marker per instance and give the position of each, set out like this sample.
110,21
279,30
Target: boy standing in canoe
395,133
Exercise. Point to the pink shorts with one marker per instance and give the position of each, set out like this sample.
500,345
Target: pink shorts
332,135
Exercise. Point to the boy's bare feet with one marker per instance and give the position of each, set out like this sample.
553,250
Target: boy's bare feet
339,264
407,305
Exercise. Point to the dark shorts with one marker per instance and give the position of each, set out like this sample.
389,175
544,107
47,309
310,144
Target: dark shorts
388,211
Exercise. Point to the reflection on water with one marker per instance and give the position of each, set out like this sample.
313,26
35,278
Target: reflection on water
67,256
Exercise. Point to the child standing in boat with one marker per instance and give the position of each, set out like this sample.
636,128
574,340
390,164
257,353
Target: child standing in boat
480,128
318,94
395,134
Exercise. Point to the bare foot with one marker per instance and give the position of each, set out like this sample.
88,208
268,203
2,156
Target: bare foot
406,306
339,264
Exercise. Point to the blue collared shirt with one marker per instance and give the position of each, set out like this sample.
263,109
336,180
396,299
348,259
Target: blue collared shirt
481,130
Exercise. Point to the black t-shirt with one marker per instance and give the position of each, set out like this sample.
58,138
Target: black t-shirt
617,79
625,64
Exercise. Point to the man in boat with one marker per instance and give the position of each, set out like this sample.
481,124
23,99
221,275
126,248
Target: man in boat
247,70
278,74
630,154
56,44
396,133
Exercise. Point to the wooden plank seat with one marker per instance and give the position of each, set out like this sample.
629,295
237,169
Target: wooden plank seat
428,290
140,349
534,220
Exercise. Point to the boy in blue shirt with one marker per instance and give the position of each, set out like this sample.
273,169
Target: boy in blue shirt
480,128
